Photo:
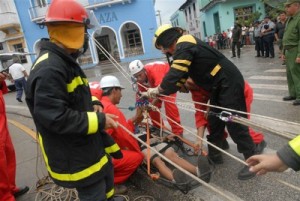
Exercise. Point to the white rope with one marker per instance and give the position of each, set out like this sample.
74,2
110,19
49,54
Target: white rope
209,143
125,74
178,167
240,112
48,190
241,120
111,59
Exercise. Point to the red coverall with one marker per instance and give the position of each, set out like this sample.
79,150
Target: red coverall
96,90
132,155
203,96
7,155
155,73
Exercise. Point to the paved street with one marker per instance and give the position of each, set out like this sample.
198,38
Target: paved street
265,75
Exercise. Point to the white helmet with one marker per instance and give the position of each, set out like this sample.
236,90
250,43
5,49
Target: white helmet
135,67
110,81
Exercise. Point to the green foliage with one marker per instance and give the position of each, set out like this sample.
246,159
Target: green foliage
273,8
251,18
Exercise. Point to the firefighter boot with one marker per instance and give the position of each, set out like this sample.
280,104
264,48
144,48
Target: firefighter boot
244,173
214,154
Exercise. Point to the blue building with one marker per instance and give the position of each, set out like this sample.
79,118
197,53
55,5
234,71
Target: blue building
127,28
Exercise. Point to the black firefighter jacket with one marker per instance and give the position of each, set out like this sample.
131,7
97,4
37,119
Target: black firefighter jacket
71,135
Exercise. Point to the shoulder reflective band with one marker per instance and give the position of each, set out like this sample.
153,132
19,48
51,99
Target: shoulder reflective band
215,70
295,144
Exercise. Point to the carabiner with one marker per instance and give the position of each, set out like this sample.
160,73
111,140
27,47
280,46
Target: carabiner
225,118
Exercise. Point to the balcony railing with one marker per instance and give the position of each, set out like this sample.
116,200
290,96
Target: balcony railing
133,51
9,18
37,13
102,3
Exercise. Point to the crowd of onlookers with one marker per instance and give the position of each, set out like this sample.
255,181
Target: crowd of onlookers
262,34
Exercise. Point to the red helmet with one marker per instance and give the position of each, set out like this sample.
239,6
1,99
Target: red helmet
66,11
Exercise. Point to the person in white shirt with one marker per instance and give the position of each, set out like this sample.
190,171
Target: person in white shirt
17,75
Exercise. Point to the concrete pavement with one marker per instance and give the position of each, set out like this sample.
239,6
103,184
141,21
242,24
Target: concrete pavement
267,102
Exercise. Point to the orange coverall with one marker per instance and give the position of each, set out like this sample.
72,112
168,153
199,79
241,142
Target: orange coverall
7,155
132,155
155,73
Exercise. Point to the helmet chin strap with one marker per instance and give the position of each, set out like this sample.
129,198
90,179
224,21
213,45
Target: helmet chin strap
169,56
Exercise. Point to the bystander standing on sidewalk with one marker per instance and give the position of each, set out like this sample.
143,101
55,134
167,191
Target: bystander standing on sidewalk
17,75
268,37
279,31
258,40
236,40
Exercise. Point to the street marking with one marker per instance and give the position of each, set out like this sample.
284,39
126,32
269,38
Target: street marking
267,97
262,77
16,107
276,71
269,86
24,128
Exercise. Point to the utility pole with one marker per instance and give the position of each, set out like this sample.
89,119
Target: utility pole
158,14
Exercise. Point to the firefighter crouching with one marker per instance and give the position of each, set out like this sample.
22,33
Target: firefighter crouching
70,132
212,71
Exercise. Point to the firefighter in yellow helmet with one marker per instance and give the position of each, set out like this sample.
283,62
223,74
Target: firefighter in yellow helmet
211,70
71,127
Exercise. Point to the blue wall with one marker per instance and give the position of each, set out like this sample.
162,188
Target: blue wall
139,12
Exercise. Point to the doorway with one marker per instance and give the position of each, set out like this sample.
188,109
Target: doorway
217,23
104,41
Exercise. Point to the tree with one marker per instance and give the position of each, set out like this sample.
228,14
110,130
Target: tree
250,19
273,7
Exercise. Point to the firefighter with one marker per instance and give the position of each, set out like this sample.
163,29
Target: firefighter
213,72
70,127
288,156
132,155
201,96
8,188
151,75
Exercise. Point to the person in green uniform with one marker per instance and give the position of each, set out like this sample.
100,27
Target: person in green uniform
291,47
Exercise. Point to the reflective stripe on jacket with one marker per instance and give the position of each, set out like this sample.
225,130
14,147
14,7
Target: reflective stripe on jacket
290,154
71,137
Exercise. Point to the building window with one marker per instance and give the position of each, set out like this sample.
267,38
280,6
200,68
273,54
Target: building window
243,13
134,43
190,14
41,3
19,48
194,10
133,38
1,46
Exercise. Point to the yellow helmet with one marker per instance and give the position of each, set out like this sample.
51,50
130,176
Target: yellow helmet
162,30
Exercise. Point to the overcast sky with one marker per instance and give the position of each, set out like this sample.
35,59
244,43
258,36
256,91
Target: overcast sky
167,8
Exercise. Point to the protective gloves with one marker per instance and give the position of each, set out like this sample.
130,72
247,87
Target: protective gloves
151,93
